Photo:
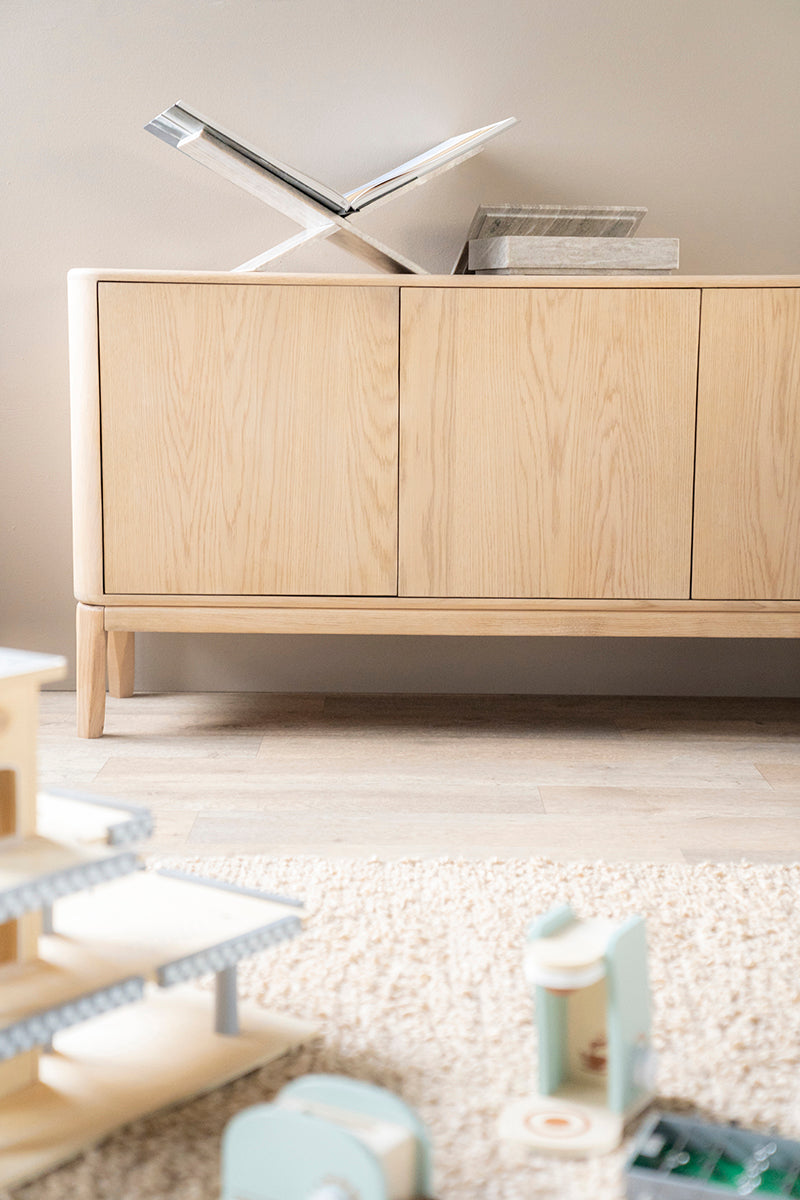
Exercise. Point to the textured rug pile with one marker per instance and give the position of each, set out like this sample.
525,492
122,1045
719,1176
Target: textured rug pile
412,970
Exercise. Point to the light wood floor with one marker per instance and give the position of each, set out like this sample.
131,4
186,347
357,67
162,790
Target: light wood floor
681,780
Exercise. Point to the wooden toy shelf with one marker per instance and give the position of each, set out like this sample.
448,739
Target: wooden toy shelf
37,871
95,1025
125,1064
591,456
68,814
145,927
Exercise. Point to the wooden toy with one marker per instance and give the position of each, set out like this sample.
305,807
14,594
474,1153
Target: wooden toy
589,978
97,1026
680,1158
326,1137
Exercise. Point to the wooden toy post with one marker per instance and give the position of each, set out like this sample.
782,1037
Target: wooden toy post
21,677
97,1026
589,978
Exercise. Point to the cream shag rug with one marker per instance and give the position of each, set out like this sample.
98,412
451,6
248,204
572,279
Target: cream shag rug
413,971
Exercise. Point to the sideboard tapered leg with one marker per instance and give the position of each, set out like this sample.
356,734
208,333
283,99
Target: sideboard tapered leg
120,653
91,670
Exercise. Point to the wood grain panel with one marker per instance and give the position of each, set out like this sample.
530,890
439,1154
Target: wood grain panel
8,942
120,663
458,604
249,439
747,507
680,766
8,796
93,275
90,671
547,442
84,388
540,620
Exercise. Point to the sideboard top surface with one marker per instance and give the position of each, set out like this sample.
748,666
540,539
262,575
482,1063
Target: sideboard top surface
106,275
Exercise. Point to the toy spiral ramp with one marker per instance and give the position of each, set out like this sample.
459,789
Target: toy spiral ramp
327,1138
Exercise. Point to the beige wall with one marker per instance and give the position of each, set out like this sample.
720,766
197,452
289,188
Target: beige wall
690,107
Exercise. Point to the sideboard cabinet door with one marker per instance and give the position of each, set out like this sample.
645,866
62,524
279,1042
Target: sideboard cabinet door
249,439
747,507
547,440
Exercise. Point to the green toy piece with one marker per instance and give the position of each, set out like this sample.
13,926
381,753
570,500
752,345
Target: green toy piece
680,1158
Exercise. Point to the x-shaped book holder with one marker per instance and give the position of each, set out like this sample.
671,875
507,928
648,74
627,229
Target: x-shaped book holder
320,210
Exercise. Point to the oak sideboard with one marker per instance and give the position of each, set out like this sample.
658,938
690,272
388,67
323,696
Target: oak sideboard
593,456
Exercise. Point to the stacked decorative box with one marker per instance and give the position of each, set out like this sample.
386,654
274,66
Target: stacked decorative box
97,1023
547,239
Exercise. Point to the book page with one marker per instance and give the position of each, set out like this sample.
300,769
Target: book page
423,164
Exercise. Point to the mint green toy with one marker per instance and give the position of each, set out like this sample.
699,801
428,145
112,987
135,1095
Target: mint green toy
596,1067
326,1137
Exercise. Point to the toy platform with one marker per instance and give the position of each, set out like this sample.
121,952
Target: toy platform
126,1064
130,1036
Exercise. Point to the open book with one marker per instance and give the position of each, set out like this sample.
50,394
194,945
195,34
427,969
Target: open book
180,125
